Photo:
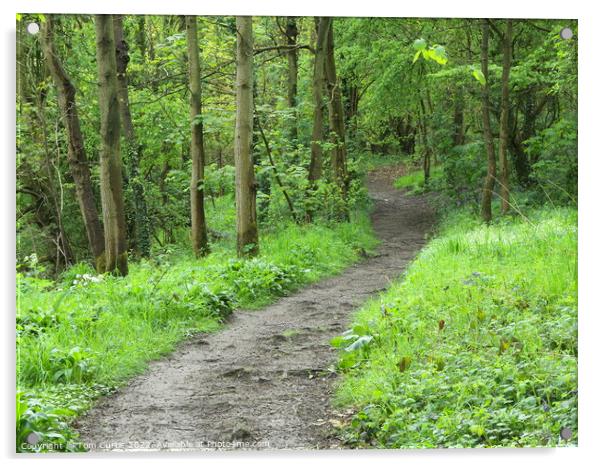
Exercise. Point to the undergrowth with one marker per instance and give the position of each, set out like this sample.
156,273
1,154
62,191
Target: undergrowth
414,180
476,345
85,334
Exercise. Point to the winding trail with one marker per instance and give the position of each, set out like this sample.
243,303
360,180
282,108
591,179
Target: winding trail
265,380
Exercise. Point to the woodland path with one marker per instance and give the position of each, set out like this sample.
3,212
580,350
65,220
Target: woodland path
264,380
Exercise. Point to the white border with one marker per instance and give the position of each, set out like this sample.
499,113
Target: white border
590,260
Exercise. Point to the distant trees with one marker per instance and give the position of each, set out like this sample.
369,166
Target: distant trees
247,236
487,135
283,108
141,235
504,179
200,241
76,153
111,188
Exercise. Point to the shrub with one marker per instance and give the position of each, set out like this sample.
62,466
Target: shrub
464,171
43,429
553,153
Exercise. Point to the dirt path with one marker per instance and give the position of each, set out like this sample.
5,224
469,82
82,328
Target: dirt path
264,381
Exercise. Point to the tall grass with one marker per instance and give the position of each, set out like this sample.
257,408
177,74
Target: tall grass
476,345
414,180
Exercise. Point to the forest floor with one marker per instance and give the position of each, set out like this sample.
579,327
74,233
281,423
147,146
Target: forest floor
266,380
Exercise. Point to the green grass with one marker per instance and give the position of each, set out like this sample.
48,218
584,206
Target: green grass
85,334
476,345
367,161
414,181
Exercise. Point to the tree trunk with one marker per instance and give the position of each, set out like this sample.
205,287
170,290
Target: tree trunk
487,136
315,164
141,36
78,162
142,235
505,107
246,216
337,122
426,149
292,54
111,189
459,117
200,242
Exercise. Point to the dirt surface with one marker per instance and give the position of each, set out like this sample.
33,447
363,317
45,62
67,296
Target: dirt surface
264,381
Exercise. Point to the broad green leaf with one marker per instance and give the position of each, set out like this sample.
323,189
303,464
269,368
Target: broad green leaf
358,344
479,76
438,54
419,44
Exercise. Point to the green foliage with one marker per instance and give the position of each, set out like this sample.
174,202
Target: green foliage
82,333
554,156
479,76
255,279
71,366
414,180
464,172
43,429
86,330
219,181
476,346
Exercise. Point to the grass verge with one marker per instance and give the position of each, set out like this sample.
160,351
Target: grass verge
476,346
414,180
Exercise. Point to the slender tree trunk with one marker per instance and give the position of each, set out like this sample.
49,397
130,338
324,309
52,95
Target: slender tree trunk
292,54
315,164
200,241
459,117
505,108
141,36
487,136
268,151
426,149
78,162
246,190
337,122
63,246
142,235
111,189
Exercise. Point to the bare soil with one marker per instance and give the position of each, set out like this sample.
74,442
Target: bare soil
266,380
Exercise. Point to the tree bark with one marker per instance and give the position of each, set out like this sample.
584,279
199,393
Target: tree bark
142,235
315,165
200,241
504,111
337,122
426,149
291,33
246,190
76,154
487,136
459,117
111,189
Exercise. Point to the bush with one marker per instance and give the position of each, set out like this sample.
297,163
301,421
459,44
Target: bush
465,168
43,429
553,153
257,279
414,181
